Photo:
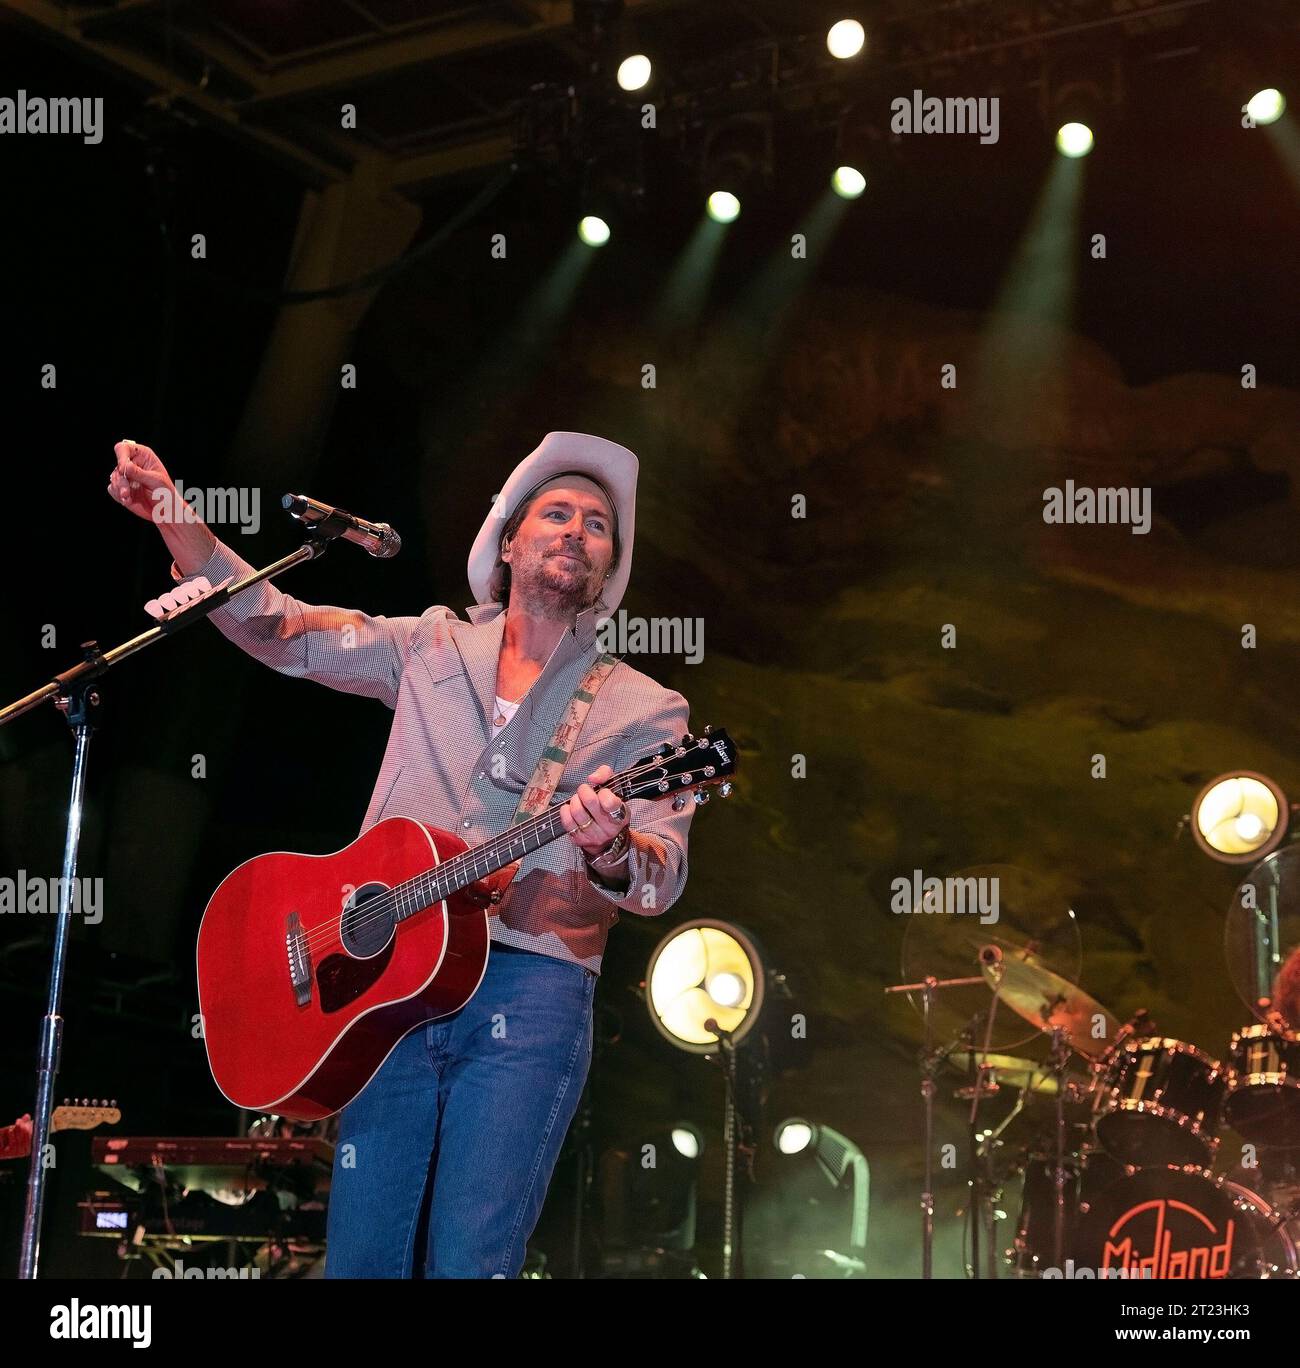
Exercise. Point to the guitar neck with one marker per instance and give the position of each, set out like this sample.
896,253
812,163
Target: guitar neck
513,844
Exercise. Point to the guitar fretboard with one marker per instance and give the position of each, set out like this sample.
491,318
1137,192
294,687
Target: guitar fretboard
439,883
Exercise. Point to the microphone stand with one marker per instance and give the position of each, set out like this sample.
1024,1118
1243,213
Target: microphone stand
930,1061
72,694
731,1216
980,1182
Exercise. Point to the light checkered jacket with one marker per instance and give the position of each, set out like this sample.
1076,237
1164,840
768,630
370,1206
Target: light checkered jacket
438,674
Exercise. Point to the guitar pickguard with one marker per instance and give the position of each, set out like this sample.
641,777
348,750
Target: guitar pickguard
341,979
370,938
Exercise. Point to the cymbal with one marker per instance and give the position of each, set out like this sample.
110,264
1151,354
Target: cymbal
1025,1074
1261,931
1034,919
1048,1000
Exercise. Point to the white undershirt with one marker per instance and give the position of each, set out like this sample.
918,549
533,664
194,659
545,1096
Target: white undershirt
504,710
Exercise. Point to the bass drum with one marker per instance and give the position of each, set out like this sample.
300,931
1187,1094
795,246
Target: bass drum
1085,1174
1182,1223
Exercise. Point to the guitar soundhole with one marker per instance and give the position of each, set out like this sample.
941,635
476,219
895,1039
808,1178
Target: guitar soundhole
365,930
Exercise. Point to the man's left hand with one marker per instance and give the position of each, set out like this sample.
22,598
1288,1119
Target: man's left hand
593,818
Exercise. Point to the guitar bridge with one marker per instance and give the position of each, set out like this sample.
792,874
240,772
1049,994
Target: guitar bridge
295,941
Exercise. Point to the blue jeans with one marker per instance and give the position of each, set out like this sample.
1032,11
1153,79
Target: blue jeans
471,1111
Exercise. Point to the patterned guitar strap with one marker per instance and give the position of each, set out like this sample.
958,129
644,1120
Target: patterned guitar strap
538,790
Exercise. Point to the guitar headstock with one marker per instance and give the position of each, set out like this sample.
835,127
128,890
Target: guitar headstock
694,763
85,1116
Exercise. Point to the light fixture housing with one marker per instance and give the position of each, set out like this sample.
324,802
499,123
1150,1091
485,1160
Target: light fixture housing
808,1216
690,961
1240,817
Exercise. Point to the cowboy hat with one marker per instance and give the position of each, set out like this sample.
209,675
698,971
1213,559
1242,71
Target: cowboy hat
611,466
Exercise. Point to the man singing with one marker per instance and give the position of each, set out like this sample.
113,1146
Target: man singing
467,1114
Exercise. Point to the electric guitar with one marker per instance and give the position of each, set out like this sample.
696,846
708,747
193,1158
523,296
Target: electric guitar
16,1140
312,967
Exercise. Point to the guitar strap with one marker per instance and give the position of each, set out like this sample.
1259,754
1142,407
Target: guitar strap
538,790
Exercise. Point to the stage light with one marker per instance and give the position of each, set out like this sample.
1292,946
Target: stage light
646,1212
1239,818
593,231
687,1140
724,207
848,182
1249,826
1074,139
736,158
808,1215
727,990
634,72
705,970
1266,106
845,39
793,1135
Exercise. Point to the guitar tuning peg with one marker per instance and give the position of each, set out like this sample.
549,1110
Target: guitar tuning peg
687,739
679,802
702,796
724,789
708,730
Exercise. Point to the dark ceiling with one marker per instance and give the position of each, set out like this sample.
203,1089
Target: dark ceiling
442,88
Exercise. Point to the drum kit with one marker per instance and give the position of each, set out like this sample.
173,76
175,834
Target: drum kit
1116,1134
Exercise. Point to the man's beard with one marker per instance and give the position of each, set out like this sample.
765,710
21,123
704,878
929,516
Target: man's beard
534,586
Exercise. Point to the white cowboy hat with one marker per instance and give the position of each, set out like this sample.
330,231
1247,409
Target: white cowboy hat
612,466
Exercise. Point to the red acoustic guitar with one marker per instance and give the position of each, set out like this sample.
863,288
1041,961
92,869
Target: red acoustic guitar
312,967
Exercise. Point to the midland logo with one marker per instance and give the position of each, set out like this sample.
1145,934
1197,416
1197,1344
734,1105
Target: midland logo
26,113
1196,1254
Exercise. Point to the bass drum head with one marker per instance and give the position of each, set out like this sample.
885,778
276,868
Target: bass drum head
1182,1223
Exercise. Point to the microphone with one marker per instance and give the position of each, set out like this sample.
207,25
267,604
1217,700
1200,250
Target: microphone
377,538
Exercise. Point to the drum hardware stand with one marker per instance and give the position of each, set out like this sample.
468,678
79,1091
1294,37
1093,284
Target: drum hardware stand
1059,1058
73,694
981,1204
930,1061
